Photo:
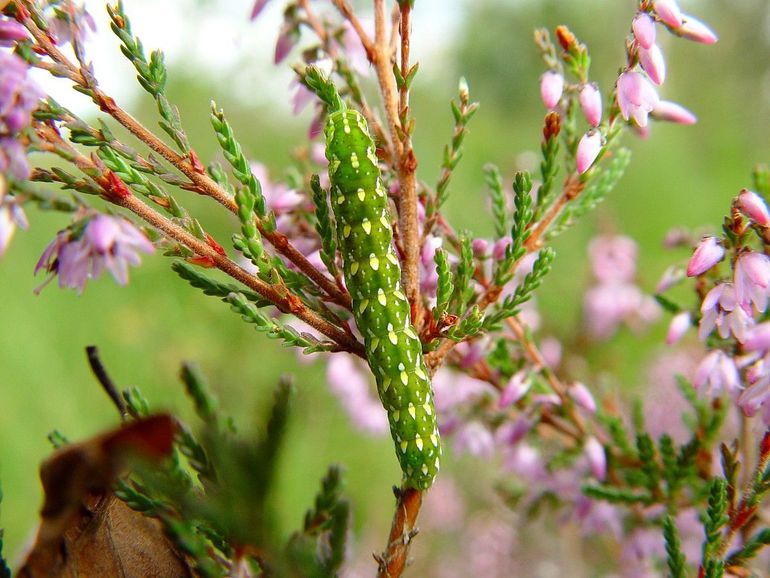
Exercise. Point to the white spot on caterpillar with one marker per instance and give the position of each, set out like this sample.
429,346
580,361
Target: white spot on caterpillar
370,154
334,165
381,298
374,262
420,373
396,415
361,194
346,125
385,222
424,470
346,231
393,337
354,267
391,256
412,411
437,464
409,333
434,441
375,343
399,295
341,199
354,160
428,409
404,377
403,445
386,384
366,226
363,305
418,442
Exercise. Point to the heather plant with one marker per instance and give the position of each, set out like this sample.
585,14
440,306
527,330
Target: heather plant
353,259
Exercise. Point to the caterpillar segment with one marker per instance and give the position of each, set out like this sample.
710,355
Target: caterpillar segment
373,277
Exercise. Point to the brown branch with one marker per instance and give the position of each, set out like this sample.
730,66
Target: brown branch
201,182
393,560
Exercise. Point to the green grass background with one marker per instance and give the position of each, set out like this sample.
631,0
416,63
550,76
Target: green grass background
680,176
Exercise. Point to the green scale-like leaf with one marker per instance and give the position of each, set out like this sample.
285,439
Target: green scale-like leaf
373,276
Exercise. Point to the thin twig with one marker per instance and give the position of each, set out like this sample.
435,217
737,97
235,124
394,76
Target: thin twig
200,181
97,367
393,561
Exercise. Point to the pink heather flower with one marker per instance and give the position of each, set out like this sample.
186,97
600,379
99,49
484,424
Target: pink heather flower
550,348
672,276
591,104
516,388
480,247
476,439
19,95
526,462
644,29
428,272
717,374
668,11
608,305
11,216
752,278
551,87
757,394
758,338
673,112
13,158
287,39
354,50
680,323
588,149
754,207
301,98
66,24
636,97
106,242
707,254
11,32
348,380
259,5
582,396
720,309
471,352
278,197
511,433
597,459
498,249
613,258
452,389
695,30
653,63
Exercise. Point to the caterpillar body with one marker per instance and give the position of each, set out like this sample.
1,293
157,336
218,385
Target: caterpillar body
373,276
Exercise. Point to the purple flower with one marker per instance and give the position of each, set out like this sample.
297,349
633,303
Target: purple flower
428,270
83,252
13,158
591,104
475,439
673,112
74,21
707,254
695,30
597,460
582,396
608,305
511,433
668,11
613,258
636,97
287,39
278,197
350,383
653,63
587,150
644,29
301,98
259,5
758,339
19,95
354,50
11,32
754,207
516,388
551,87
752,278
672,276
717,374
720,309
680,323
11,216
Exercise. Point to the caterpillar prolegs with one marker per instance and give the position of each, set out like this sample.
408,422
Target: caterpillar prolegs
381,310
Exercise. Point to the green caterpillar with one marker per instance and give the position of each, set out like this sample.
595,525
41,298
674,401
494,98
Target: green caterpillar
381,310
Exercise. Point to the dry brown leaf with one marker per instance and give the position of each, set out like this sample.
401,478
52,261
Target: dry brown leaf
85,531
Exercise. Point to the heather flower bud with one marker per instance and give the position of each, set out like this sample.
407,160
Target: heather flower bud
668,11
591,104
672,112
644,30
758,338
582,396
587,151
259,5
653,63
695,30
517,387
11,32
597,459
679,326
754,207
551,87
708,253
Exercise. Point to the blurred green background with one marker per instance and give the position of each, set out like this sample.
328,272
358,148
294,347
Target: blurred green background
679,176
